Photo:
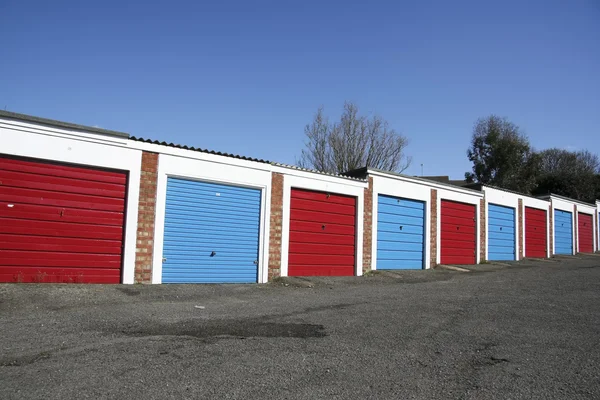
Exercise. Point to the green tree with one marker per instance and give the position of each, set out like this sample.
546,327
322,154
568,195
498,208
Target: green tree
568,173
502,155
355,141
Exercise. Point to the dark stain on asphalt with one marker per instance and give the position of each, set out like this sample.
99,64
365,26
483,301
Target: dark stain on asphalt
24,360
228,328
128,291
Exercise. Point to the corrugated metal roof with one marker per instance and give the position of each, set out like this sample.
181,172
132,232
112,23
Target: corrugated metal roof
314,171
61,124
192,148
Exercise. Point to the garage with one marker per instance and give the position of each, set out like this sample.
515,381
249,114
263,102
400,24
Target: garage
535,233
585,226
563,232
322,234
501,233
60,223
211,233
400,233
458,233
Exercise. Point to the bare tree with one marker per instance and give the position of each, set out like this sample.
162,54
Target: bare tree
355,141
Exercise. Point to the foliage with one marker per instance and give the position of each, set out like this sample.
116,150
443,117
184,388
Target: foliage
355,141
501,155
571,174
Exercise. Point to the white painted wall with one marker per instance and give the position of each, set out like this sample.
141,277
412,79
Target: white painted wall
89,149
325,183
540,205
217,169
502,198
394,185
462,196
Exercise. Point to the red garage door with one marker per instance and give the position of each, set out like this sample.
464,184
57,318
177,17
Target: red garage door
535,233
585,225
60,223
322,234
458,244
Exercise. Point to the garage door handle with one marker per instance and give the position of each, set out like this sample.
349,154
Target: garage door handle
323,227
500,228
213,253
457,228
400,227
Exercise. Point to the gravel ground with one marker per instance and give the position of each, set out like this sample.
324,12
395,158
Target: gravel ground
511,331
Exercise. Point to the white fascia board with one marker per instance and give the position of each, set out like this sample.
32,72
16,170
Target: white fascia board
387,185
93,150
327,184
198,155
321,177
431,184
209,171
536,203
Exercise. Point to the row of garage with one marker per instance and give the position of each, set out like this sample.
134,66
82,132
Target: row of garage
87,205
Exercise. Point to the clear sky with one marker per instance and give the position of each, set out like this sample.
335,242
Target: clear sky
246,76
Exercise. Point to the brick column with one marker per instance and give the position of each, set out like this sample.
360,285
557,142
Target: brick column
551,234
433,229
482,228
575,229
521,240
146,213
368,226
275,225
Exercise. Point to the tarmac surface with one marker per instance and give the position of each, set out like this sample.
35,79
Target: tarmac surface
526,330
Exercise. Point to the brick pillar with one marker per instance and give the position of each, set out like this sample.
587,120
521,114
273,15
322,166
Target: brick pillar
275,225
145,228
551,234
576,229
368,226
521,240
482,227
433,229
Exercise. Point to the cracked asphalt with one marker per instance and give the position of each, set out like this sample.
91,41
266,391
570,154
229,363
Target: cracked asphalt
527,330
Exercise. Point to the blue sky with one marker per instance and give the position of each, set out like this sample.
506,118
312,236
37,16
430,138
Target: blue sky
246,76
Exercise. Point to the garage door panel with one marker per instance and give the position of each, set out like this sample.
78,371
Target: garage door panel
563,232
59,229
18,274
393,228
322,234
44,168
61,185
322,270
400,233
59,214
58,222
458,233
392,237
394,264
211,233
328,238
585,236
401,210
21,242
315,216
309,205
44,198
318,248
323,197
316,227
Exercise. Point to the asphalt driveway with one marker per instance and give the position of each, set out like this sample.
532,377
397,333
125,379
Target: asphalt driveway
523,330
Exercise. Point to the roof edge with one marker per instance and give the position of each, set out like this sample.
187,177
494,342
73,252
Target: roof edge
558,196
61,124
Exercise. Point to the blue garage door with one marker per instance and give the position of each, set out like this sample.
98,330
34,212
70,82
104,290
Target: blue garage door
563,232
211,233
501,232
400,233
